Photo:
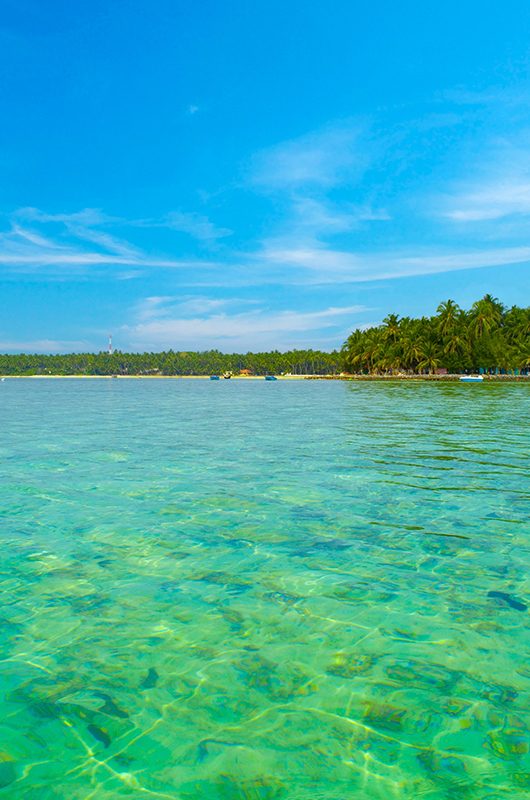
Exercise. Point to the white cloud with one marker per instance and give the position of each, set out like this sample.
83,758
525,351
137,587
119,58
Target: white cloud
44,346
401,266
259,328
494,97
72,258
306,174
298,258
195,225
106,241
320,218
23,248
492,200
321,159
23,234
87,217
151,307
326,265
82,225
159,307
497,185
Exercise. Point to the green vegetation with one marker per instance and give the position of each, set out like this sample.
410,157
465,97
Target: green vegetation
211,362
489,338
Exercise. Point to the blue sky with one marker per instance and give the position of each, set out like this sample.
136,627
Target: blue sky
256,175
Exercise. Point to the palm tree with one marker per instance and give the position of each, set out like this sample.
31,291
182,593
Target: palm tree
517,323
486,315
455,343
430,356
352,351
373,350
391,330
449,313
520,353
412,352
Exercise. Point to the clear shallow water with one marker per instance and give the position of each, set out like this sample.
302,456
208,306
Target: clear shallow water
255,591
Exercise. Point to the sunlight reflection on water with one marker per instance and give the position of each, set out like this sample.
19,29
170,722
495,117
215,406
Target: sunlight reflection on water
247,591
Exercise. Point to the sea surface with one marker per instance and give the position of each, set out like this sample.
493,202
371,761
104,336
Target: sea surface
248,590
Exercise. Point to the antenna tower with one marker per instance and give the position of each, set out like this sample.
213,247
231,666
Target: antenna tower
110,345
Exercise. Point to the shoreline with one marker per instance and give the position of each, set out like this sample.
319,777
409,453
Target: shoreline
435,378
400,378
157,377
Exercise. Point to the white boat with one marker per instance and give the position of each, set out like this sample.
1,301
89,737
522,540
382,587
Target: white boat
471,378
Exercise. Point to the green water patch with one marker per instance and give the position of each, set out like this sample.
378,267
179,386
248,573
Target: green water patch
320,595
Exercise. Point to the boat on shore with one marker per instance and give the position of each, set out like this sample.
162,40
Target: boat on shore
271,378
214,377
471,378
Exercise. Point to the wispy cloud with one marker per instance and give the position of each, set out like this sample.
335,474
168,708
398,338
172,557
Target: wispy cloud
87,217
196,225
318,160
106,241
44,346
492,200
324,218
22,247
325,225
297,258
325,265
160,307
25,257
493,96
151,307
256,328
78,227
497,183
306,176
21,234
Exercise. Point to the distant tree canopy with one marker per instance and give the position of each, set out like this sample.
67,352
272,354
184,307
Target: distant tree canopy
489,337
210,362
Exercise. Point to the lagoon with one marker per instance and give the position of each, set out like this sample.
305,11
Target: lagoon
262,590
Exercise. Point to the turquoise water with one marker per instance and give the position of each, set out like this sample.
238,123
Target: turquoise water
254,591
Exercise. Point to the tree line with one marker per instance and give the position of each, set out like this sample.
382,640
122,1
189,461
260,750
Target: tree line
487,338
210,362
